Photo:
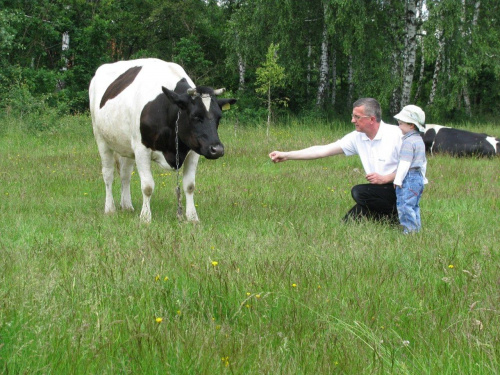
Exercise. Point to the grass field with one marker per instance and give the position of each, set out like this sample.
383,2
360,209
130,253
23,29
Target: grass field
269,282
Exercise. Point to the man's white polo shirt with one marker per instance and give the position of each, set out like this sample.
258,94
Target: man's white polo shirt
380,155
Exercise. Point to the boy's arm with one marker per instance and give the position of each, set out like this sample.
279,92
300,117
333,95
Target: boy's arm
403,168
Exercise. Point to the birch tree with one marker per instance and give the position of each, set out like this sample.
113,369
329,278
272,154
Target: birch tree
397,36
309,65
421,73
323,66
437,66
350,81
395,104
64,49
463,32
410,53
466,31
241,71
270,76
333,95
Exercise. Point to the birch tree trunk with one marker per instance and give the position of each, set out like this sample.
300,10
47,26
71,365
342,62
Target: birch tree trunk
395,105
465,88
410,50
421,74
309,68
467,35
323,66
477,5
475,17
437,66
334,78
397,61
65,46
242,71
350,82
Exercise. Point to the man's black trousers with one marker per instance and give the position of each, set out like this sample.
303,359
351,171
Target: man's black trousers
373,202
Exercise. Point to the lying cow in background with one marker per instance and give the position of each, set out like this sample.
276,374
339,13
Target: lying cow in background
457,142
147,110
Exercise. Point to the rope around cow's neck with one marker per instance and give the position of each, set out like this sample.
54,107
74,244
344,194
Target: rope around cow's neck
178,188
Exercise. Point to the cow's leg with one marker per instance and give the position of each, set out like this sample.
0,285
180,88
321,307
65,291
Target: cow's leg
188,184
126,168
143,162
108,171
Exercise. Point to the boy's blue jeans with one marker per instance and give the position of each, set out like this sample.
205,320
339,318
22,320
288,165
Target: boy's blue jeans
408,201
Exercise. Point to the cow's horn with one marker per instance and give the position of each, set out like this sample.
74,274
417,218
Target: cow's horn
219,91
191,92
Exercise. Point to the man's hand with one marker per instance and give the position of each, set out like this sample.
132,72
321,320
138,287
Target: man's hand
277,156
377,179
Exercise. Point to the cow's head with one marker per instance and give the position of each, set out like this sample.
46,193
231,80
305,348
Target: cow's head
200,113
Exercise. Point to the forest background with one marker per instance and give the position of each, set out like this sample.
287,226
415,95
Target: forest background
322,54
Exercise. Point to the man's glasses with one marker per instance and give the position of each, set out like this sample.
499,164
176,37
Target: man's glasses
356,117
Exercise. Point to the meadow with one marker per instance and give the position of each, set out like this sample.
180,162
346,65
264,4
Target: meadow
269,282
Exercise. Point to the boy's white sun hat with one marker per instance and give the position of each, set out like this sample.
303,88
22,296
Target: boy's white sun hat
411,114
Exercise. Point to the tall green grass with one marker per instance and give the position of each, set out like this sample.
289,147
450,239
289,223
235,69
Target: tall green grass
270,280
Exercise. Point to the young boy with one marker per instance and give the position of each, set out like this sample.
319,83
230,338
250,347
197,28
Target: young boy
410,175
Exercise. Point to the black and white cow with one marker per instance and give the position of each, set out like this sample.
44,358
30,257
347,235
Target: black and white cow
457,142
135,106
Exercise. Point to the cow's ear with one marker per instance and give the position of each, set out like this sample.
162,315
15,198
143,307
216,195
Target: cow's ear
225,103
181,101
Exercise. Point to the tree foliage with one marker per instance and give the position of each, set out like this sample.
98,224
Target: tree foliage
341,49
270,75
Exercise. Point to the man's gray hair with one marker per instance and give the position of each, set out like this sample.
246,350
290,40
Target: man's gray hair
372,107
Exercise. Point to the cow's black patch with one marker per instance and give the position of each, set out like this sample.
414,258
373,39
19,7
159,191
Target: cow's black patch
428,139
458,142
120,84
157,127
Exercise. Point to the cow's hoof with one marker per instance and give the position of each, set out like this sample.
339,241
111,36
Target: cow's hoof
192,218
145,218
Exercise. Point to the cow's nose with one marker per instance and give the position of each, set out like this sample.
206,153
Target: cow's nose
216,151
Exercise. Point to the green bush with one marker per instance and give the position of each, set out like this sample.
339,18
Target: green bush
32,93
